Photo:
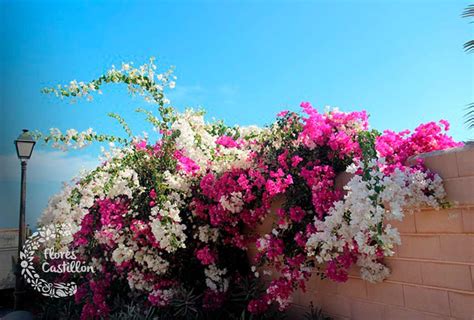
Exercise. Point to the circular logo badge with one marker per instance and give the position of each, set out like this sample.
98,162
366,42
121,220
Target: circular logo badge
51,261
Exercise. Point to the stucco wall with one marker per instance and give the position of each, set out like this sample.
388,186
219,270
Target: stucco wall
8,251
432,271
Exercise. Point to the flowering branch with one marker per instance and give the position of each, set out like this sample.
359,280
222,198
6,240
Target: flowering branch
143,81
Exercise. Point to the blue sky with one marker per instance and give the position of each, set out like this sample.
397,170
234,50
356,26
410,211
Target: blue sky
242,61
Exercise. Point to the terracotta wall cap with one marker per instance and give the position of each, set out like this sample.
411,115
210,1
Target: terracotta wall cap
468,146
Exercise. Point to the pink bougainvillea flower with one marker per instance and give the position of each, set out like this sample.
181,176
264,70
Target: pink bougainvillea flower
186,164
297,214
397,148
141,145
206,256
227,142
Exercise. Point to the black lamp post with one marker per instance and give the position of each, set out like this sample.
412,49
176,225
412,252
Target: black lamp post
24,148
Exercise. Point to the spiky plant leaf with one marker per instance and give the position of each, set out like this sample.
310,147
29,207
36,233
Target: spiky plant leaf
470,116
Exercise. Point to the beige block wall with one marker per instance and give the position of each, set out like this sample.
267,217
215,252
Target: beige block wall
432,271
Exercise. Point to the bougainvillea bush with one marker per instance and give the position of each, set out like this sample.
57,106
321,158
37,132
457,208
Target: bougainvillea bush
178,209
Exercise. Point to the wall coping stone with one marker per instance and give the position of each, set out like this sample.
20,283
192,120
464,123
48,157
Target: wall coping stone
468,146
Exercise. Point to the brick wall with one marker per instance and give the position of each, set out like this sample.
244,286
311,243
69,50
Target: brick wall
432,271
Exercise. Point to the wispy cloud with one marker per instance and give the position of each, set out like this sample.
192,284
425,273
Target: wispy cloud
193,95
44,166
228,90
186,93
228,93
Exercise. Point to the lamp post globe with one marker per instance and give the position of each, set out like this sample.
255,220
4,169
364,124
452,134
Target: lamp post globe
24,145
24,148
